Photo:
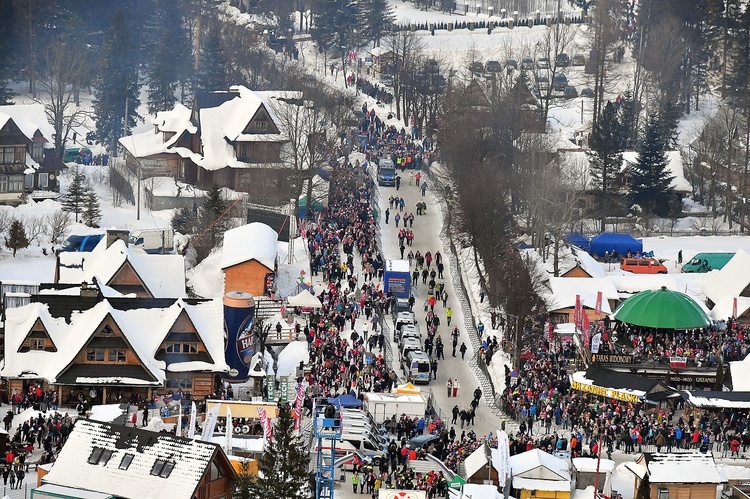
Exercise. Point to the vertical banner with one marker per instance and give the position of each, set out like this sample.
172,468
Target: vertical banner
193,416
596,342
598,308
284,389
734,308
298,401
265,423
503,454
577,312
270,388
550,332
229,429
585,321
210,423
178,426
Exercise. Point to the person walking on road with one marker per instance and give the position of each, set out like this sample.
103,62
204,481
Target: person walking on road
434,368
449,385
397,219
424,188
387,214
455,414
398,182
454,337
417,178
463,349
355,481
455,387
477,395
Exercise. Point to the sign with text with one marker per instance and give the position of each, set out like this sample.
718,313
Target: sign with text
283,388
678,362
270,388
605,392
610,358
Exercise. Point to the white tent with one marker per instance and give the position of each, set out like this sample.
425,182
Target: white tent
304,299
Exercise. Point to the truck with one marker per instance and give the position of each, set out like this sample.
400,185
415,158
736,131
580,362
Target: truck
706,262
152,240
382,406
397,278
386,172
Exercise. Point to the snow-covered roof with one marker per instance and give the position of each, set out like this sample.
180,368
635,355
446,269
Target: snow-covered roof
731,280
472,490
536,484
564,291
51,490
538,465
70,338
289,358
589,464
674,168
628,283
29,118
723,308
475,461
735,399
686,467
740,372
731,472
254,241
175,120
591,266
163,275
190,457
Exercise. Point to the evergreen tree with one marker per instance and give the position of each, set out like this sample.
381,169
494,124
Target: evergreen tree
627,119
7,51
244,482
644,489
184,220
283,467
169,51
116,84
669,119
335,24
607,143
212,73
378,19
649,179
74,200
16,239
92,213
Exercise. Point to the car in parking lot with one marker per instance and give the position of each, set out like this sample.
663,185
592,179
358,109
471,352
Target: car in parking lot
527,63
542,82
493,67
422,441
560,82
542,63
579,60
511,64
476,67
570,92
587,92
562,60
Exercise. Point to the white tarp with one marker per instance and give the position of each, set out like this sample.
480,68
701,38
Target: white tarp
304,299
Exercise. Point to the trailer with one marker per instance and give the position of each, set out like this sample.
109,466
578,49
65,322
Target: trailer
397,278
382,406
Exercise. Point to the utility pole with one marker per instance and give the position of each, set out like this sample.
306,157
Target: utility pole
138,200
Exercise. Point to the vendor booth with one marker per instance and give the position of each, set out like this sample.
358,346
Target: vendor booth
625,387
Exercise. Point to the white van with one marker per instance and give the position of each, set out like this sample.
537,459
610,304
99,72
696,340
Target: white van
409,345
409,331
417,367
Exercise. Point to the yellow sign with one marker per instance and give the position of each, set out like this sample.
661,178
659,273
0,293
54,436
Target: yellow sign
604,392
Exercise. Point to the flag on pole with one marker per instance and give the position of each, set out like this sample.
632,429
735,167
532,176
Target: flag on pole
550,332
191,426
265,423
298,401
178,426
209,425
577,312
229,429
586,323
734,308
598,308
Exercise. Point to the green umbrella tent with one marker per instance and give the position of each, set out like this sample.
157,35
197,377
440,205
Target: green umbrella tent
662,309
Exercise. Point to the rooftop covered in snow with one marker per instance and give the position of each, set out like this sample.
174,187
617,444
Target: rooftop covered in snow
254,241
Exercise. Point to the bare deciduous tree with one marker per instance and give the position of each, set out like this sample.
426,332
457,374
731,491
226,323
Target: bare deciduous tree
35,227
58,223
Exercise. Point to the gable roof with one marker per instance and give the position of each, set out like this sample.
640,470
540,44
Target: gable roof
674,168
254,241
29,118
537,464
731,280
44,334
162,275
71,336
564,291
686,467
475,461
191,459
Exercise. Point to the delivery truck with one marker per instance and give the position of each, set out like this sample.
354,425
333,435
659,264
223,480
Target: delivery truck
382,406
152,240
397,278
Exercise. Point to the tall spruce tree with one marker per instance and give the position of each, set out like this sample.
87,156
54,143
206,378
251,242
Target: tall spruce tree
116,84
17,238
74,200
378,19
649,179
337,27
283,467
92,213
7,51
212,72
607,143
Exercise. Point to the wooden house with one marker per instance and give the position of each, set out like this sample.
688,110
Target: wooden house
249,258
687,475
27,157
128,462
539,474
383,60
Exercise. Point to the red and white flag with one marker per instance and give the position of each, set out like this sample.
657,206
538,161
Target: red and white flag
298,405
550,332
734,308
577,312
265,422
586,323
598,308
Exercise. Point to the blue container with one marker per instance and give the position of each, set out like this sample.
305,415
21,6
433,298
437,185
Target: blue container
239,345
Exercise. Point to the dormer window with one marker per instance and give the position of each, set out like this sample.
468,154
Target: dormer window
37,151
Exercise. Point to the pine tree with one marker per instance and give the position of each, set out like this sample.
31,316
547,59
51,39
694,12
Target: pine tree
644,489
214,207
74,200
92,214
7,13
649,179
283,467
212,73
16,239
335,25
378,19
116,84
244,481
607,143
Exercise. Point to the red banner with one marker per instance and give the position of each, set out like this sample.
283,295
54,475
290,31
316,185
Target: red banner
577,313
550,332
598,308
678,362
734,308
265,422
586,324
298,405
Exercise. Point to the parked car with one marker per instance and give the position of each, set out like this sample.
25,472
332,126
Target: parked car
643,266
387,80
493,66
579,60
570,92
542,82
527,63
563,60
587,92
422,441
542,63
560,82
511,64
476,67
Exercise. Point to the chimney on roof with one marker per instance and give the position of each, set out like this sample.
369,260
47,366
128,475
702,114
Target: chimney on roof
88,291
115,234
